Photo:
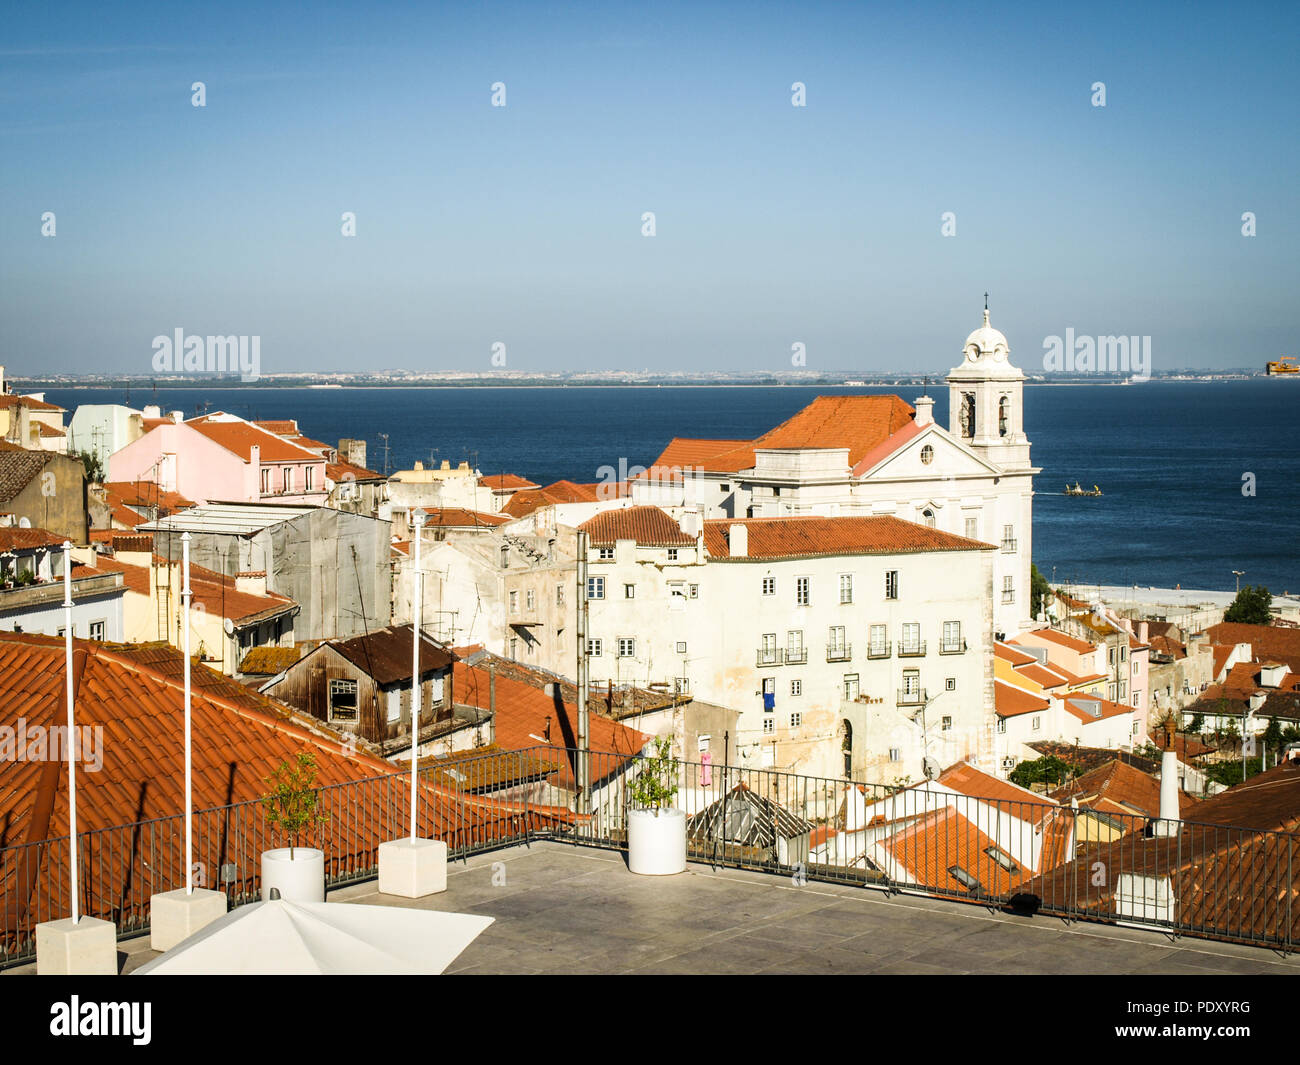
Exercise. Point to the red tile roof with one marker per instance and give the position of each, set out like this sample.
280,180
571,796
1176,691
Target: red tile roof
1274,642
132,696
526,500
283,427
1119,787
1043,675
346,471
506,482
1222,652
1011,701
775,538
144,494
966,779
48,430
240,438
461,518
684,452
648,526
887,447
1061,638
1009,654
14,538
1081,706
214,592
943,840
10,400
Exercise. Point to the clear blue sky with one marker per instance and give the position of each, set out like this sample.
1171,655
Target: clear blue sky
522,224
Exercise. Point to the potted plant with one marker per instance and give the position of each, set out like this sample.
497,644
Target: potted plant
656,831
291,807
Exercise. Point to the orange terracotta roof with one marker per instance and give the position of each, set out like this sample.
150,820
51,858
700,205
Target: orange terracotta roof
240,438
966,779
887,447
1043,676
1245,678
13,538
933,846
1061,638
10,400
1222,652
132,696
506,482
1011,701
526,500
346,471
461,518
1009,654
648,526
1122,785
774,538
48,430
134,578
282,427
1081,706
144,494
319,447
1076,679
683,452
1266,641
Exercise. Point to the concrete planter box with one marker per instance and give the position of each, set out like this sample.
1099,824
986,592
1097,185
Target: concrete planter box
412,868
300,879
656,842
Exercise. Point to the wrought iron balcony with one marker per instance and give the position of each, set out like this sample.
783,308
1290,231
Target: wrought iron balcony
1008,547
796,658
878,650
952,647
911,698
841,652
911,650
770,656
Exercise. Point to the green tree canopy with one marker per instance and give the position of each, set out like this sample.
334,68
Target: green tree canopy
1251,607
1039,590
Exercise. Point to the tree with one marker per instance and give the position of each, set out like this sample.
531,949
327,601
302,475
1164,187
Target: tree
290,805
1046,770
1273,734
1197,724
1251,607
94,468
656,785
1039,590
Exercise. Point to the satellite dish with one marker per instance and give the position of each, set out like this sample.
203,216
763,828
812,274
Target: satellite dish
229,626
24,523
931,768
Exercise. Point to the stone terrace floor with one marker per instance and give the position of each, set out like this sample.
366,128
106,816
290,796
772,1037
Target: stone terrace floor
566,910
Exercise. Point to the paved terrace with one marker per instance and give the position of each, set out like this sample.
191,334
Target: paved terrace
564,909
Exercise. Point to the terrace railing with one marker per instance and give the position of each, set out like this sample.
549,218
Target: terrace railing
1187,878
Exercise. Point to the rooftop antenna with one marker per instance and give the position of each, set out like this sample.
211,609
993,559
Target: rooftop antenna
384,438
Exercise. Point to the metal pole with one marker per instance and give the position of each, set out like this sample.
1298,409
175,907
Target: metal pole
186,597
417,520
72,732
583,767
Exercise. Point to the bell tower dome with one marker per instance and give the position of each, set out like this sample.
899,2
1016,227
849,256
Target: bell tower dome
986,400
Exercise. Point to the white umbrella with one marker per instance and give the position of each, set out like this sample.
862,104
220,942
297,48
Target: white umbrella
303,938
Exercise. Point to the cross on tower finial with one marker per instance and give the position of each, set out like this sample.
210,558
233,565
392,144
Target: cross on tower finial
986,301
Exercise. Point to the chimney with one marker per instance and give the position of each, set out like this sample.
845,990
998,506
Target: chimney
690,523
1257,700
176,416
1168,823
152,411
251,582
1144,632
924,410
738,541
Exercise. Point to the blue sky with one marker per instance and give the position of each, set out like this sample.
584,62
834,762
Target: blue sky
522,225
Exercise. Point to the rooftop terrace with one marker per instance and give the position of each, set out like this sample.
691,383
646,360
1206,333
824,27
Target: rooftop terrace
561,908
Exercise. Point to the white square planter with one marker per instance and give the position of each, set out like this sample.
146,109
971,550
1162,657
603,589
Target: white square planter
87,948
412,868
174,916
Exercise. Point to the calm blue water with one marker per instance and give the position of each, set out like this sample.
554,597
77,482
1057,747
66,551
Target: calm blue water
1169,456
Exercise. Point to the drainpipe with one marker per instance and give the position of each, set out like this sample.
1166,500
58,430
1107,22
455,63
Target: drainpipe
583,767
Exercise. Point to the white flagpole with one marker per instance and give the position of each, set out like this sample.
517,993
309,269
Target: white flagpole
72,732
417,520
185,642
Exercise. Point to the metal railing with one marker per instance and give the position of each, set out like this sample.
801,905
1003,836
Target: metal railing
915,697
878,650
1202,880
952,647
770,656
839,652
1009,547
915,649
796,657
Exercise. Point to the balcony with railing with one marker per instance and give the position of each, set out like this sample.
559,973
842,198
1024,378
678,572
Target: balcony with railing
770,656
879,650
952,647
796,656
911,649
911,697
1009,545
839,652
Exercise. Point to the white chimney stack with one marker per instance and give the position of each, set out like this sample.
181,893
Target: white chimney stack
924,410
738,541
1168,823
1144,631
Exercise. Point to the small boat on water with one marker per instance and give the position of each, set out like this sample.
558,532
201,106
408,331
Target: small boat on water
1079,490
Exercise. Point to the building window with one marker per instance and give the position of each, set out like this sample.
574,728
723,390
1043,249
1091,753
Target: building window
879,646
911,638
947,723
1135,667
927,455
1110,655
514,648
629,591
1123,653
343,700
288,478
595,587
1002,724
927,516
912,685
681,647
672,554
972,528
605,554
694,590
891,584
850,687
846,587
895,754
801,597
531,598
796,687
595,648
308,478
769,688
514,603
1123,690
1004,415
769,586
794,653
1137,696
505,557
950,684
1009,538
559,595
626,647
1136,727
768,653
266,482
835,644
796,719
1037,723
1008,590
769,726
952,636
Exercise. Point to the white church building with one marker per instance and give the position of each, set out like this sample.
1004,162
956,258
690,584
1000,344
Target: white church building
859,455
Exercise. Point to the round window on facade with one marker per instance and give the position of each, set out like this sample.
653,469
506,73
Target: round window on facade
927,455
